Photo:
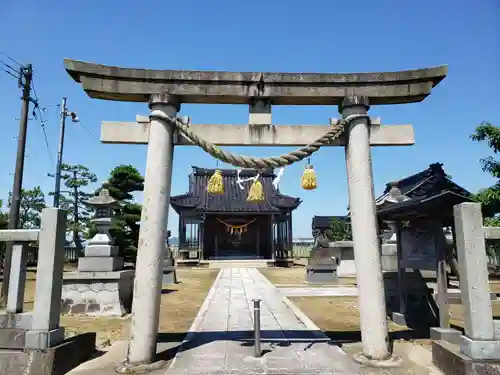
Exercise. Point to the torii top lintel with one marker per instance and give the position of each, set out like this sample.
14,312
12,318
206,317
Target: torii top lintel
214,87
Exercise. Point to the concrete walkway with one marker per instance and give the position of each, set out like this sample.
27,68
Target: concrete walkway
220,339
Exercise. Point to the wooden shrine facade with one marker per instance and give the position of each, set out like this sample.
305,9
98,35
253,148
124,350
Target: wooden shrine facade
226,226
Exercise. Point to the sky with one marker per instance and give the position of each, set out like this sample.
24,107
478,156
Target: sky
277,36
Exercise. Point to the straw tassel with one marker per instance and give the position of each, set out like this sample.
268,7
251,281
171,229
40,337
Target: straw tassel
256,193
216,184
308,180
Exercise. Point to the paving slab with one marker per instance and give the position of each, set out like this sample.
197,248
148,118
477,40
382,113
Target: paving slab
221,338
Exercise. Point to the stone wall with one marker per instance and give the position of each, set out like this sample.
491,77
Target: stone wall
89,293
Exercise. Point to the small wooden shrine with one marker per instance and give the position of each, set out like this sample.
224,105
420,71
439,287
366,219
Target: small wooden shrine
227,226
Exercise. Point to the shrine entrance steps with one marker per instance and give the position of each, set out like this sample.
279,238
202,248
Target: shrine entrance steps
238,263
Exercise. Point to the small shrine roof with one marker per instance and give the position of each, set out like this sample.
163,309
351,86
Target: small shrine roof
427,193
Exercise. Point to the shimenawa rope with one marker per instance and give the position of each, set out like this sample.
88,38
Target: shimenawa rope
256,162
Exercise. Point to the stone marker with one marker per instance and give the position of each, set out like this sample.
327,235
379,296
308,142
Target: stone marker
479,341
45,331
169,271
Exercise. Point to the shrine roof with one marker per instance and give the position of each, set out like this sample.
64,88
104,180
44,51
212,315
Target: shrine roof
429,192
426,183
234,198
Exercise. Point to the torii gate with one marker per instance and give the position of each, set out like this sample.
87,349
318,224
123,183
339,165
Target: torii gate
165,90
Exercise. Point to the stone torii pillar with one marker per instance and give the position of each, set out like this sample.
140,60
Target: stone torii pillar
154,216
371,301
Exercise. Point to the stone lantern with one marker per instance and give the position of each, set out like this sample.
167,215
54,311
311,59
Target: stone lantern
100,253
100,286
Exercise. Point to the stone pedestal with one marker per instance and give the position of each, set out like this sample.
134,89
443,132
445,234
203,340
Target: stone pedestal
322,266
98,293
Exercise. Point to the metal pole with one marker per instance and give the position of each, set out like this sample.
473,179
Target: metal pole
76,240
256,327
27,73
57,190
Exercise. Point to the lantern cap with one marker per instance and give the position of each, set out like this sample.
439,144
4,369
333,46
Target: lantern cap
102,200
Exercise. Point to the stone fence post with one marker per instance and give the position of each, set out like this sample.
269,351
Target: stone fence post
479,341
45,331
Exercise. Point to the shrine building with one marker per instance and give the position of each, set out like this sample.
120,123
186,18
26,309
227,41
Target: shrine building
227,226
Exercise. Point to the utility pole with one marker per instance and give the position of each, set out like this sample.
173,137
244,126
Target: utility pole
74,118
57,190
76,240
25,72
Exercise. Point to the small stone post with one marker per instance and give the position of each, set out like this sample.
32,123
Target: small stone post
479,340
371,300
45,331
150,254
17,282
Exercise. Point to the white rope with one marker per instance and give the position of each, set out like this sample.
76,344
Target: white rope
277,180
240,180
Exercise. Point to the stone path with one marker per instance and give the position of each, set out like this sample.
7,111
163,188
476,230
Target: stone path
220,339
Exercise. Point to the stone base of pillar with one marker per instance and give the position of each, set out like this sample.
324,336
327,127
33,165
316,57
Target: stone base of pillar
390,362
480,349
446,334
99,264
44,339
98,293
59,359
16,321
125,368
448,358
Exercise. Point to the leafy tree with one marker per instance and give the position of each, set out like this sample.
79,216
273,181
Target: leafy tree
340,230
489,197
123,181
32,204
4,216
76,177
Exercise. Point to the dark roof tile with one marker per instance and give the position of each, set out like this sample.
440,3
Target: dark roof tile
234,198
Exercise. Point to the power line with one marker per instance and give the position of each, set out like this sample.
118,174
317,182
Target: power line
9,67
88,131
41,119
11,59
12,72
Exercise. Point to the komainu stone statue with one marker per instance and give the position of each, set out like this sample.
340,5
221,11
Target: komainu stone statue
320,240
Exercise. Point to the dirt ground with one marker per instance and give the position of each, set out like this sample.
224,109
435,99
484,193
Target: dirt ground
297,276
342,321
179,305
